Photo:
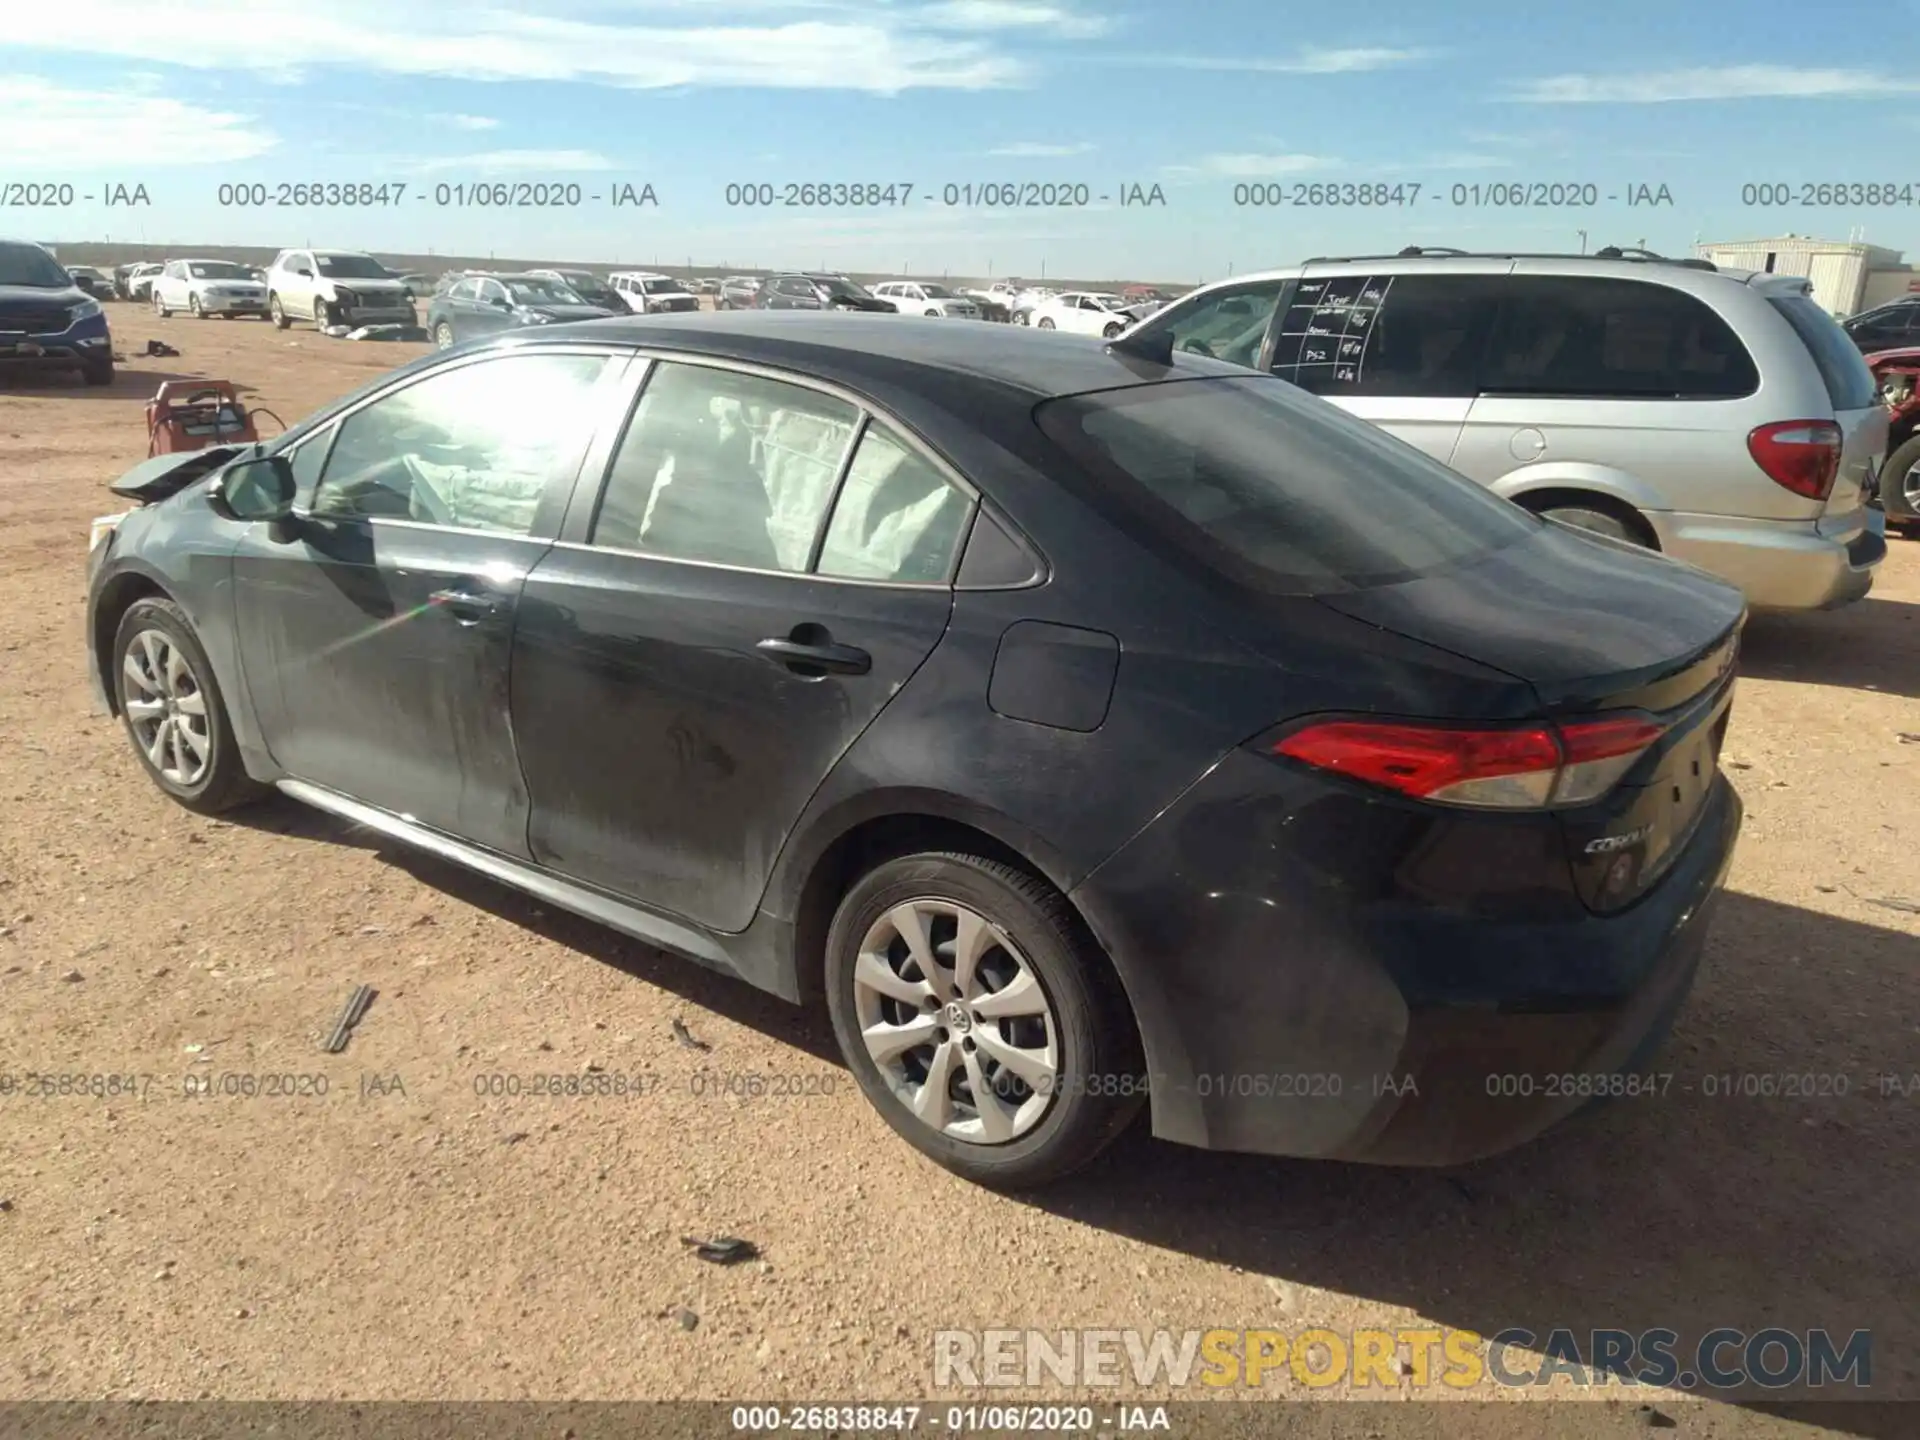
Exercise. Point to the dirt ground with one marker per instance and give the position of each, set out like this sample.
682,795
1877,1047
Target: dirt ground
404,1236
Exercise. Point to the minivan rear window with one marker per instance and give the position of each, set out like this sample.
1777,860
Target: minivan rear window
1277,490
1849,381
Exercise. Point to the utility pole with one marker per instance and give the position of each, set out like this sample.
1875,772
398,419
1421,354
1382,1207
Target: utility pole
1583,241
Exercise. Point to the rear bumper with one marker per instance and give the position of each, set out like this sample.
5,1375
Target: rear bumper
1780,564
1309,983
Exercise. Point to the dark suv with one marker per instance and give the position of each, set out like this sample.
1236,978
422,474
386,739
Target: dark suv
820,292
46,320
1885,327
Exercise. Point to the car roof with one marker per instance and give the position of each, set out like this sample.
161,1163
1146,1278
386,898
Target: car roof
860,351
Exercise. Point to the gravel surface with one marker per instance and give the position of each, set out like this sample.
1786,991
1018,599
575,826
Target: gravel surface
406,1236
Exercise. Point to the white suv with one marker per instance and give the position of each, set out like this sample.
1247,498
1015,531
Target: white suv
1718,416
923,297
647,293
335,287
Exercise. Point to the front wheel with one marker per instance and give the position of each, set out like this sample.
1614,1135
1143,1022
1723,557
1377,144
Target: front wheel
195,308
277,313
98,371
979,1018
159,306
443,336
171,707
1044,323
1112,330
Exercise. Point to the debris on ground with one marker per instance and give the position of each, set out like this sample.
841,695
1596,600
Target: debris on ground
160,347
722,1249
686,1318
685,1036
1906,907
356,1011
385,332
73,977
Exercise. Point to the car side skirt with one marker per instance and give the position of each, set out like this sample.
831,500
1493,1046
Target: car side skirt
644,925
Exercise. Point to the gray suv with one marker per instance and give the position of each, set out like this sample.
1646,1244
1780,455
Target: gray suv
1718,416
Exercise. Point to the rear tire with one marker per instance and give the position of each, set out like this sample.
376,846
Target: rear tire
171,708
1599,515
1062,1015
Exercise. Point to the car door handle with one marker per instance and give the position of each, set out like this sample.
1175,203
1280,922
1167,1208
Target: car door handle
467,607
799,657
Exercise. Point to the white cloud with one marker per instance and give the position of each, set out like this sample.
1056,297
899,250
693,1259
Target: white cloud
495,162
879,49
1039,150
469,122
1010,15
1728,82
1348,61
124,129
1252,166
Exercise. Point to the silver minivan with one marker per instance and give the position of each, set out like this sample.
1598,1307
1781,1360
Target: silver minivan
1719,416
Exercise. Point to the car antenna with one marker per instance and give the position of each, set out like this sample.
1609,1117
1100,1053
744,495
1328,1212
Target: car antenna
1156,348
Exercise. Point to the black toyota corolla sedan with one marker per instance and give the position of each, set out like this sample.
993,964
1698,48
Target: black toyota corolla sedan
1094,728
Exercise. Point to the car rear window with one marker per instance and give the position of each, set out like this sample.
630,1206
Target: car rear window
1849,381
1276,490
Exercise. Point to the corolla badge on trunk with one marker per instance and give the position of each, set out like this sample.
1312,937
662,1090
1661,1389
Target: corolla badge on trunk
1607,844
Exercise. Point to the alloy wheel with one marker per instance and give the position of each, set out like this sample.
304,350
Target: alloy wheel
166,706
443,336
1910,488
955,1019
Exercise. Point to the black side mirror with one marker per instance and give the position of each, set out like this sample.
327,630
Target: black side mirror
261,489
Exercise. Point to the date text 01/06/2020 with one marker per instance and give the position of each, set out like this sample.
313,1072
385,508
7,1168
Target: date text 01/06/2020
464,195
1407,194
953,195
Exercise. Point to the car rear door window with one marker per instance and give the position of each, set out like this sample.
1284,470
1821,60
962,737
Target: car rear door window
725,467
897,518
1848,378
1587,337
1272,489
1415,335
471,447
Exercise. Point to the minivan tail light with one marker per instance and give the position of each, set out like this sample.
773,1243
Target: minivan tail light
1533,767
1801,455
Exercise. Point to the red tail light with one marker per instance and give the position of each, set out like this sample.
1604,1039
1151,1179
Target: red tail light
1801,455
1526,768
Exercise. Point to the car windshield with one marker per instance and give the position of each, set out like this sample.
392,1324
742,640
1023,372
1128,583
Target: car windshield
540,292
1278,491
217,270
352,267
838,285
31,266
663,287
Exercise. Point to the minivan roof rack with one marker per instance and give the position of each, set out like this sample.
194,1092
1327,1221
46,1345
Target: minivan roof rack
1633,255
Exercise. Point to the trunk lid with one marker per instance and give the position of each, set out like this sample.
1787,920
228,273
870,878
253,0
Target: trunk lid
1595,625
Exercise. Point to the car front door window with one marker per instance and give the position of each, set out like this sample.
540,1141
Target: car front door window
472,447
1229,325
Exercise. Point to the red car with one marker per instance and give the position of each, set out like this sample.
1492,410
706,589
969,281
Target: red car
1898,375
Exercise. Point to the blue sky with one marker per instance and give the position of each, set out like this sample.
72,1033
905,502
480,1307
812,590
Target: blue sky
1195,96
